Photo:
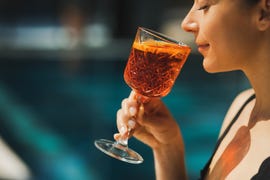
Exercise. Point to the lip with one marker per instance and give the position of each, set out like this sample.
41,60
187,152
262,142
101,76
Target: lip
203,48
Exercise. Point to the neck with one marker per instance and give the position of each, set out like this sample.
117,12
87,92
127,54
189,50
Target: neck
259,77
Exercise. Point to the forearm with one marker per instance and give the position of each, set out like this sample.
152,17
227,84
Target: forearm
170,163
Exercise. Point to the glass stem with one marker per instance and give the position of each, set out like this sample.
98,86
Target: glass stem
124,141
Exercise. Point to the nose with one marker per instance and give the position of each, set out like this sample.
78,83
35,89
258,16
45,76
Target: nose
190,23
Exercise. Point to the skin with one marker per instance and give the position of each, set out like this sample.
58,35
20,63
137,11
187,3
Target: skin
231,35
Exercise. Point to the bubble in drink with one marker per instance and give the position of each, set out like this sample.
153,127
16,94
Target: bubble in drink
153,67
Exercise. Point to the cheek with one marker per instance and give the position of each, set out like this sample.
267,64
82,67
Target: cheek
216,58
221,57
226,43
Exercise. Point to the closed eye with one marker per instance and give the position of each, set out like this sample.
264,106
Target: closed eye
205,7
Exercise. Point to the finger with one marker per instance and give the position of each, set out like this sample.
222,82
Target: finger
124,106
128,111
138,98
131,124
117,136
124,123
129,107
124,133
132,104
132,96
121,122
132,110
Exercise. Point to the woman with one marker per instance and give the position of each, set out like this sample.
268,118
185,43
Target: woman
231,35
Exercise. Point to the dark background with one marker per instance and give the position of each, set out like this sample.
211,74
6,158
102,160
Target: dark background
61,83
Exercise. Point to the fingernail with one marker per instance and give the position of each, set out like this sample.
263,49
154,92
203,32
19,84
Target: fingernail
132,111
131,124
123,130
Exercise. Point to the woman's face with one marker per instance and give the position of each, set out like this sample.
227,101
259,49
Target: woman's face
224,32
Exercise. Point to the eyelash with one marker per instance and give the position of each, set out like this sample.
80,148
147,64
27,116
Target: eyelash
205,7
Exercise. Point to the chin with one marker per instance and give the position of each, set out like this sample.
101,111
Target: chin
209,67
210,71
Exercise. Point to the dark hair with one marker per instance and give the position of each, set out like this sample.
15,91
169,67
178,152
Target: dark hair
252,2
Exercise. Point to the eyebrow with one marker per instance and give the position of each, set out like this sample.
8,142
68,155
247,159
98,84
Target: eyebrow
209,1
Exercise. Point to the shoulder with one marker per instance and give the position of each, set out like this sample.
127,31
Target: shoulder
239,100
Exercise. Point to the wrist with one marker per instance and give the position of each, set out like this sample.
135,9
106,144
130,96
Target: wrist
169,161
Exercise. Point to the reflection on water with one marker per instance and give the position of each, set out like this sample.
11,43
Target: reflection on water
51,114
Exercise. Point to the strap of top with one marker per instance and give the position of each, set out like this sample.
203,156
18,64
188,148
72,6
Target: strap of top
204,171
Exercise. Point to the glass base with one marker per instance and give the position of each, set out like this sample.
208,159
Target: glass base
118,151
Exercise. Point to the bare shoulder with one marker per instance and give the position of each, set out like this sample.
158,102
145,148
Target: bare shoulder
239,100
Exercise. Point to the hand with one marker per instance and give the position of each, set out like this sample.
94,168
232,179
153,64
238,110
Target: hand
150,122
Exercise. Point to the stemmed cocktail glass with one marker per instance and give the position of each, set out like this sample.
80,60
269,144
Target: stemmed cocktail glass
154,63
